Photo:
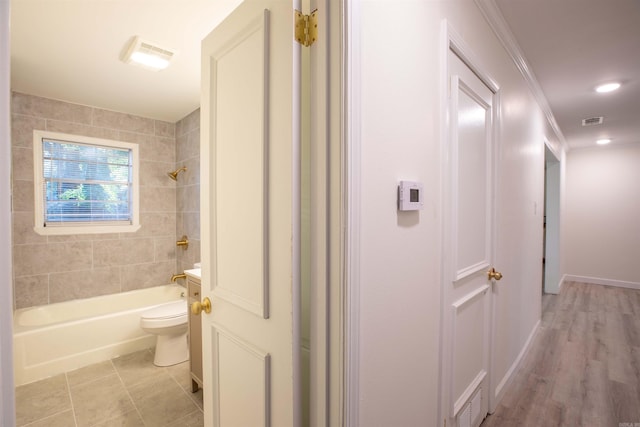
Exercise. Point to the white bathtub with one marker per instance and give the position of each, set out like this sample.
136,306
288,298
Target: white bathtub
60,337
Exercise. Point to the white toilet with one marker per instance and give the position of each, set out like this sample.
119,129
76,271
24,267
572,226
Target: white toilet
169,322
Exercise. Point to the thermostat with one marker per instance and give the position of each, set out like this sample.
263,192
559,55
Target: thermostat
410,196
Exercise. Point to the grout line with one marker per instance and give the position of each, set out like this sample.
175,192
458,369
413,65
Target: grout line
73,409
126,389
45,418
187,390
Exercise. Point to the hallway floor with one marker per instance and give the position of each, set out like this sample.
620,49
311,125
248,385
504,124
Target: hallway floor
125,391
583,368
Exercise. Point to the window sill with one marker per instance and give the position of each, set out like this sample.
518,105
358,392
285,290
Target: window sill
85,229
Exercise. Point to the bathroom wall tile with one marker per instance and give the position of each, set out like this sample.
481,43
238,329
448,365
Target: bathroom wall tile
183,265
51,258
154,224
42,399
122,121
159,149
157,199
188,145
191,201
142,276
155,148
99,400
49,108
165,129
25,258
22,231
160,400
69,258
83,284
82,237
180,198
180,228
189,257
30,291
122,252
137,367
165,249
164,149
188,123
191,224
81,129
144,141
22,128
192,174
22,163
155,174
182,150
23,196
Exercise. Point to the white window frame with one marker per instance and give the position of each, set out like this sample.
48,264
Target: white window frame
82,228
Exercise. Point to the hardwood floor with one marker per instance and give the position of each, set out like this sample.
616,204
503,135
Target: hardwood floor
583,368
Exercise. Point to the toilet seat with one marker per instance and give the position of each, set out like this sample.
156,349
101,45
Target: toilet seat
165,315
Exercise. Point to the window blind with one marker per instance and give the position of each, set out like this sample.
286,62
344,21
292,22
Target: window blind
86,183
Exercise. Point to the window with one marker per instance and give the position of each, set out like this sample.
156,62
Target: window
84,185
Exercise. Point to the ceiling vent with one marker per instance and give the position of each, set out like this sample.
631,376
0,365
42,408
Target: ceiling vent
592,121
148,55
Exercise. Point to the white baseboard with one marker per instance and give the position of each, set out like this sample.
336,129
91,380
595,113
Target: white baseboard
600,281
506,380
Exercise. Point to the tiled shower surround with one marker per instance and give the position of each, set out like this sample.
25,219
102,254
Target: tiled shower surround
188,189
50,269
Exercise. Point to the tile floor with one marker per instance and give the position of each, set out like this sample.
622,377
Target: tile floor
126,391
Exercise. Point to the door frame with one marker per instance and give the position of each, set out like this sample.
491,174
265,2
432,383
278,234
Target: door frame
7,391
350,198
332,366
452,41
552,211
328,314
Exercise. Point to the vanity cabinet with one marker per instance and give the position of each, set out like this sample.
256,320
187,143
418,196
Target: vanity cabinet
195,335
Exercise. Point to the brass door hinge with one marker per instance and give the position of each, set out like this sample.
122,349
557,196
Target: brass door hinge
306,27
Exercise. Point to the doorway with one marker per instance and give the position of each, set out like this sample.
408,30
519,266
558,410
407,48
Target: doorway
551,228
468,274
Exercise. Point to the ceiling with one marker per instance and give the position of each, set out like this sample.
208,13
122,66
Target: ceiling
71,49
574,45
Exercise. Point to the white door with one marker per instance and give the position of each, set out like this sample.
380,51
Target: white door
250,213
468,247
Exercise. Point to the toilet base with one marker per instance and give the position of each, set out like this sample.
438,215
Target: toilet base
171,350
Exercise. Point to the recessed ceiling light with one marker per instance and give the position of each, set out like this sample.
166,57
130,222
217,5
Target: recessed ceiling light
603,141
148,55
608,87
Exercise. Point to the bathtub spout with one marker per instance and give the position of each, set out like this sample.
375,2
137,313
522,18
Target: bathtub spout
178,276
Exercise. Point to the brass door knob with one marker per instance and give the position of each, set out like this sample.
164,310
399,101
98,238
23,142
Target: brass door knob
198,307
493,274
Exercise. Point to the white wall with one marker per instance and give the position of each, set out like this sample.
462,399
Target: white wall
601,215
7,413
400,254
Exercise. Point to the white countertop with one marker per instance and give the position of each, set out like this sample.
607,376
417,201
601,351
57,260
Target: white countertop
195,273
